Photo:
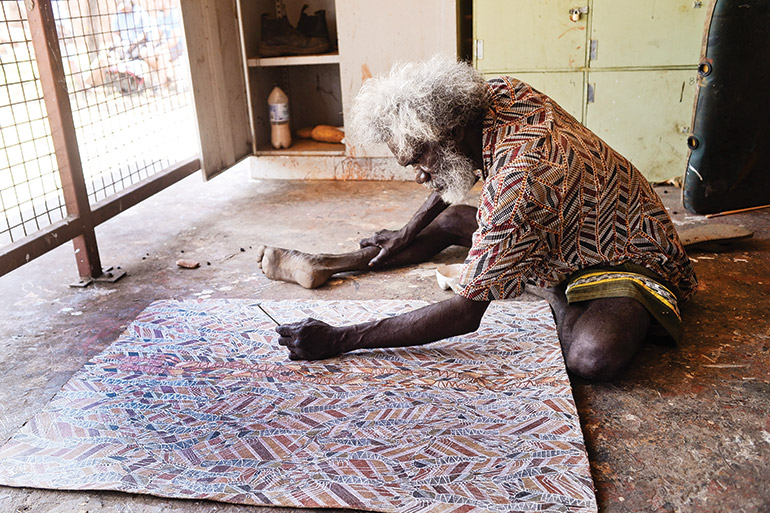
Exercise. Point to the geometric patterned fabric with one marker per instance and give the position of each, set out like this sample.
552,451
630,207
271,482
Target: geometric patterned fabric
556,200
659,301
197,400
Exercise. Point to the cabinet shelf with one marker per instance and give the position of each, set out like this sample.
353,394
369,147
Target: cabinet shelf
304,147
295,60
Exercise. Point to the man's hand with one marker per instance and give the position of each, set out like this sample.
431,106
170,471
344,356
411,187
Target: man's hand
311,339
390,243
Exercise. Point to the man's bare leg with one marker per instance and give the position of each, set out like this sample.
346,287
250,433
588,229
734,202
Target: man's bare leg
310,270
454,226
599,338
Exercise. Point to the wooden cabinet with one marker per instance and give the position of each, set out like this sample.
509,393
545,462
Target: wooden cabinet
311,81
624,68
369,37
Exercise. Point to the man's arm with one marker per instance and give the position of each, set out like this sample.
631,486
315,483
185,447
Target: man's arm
391,242
315,340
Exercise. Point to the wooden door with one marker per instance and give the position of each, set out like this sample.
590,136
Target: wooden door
374,35
219,87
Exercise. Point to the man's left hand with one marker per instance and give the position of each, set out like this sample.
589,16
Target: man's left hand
390,242
311,339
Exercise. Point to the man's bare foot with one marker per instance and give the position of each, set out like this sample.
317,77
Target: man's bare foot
292,266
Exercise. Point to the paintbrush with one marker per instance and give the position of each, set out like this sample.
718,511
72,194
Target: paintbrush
268,315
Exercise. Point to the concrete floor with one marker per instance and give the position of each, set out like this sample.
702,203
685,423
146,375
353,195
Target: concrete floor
686,429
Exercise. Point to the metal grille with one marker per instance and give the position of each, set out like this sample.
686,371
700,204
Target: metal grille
30,190
131,103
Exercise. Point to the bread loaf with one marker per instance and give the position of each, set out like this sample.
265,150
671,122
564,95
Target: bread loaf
326,133
305,133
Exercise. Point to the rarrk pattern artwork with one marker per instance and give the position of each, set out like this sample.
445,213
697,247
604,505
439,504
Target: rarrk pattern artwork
196,400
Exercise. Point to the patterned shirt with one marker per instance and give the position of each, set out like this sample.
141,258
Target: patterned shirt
558,199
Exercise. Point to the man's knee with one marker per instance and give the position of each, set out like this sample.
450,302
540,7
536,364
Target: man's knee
459,221
601,337
458,214
594,362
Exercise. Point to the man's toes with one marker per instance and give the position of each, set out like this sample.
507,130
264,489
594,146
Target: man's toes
260,255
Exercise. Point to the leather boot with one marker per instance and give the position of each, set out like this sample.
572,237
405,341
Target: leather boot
314,25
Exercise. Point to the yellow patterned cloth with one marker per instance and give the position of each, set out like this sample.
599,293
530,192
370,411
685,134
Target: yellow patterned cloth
557,200
627,281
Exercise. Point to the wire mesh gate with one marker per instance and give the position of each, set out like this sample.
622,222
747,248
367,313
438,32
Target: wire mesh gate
96,114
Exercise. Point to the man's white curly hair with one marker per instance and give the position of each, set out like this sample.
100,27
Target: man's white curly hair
417,102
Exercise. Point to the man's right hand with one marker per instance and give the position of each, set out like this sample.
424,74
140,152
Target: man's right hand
390,243
311,339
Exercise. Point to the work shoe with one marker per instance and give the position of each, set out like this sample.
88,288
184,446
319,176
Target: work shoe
280,38
313,26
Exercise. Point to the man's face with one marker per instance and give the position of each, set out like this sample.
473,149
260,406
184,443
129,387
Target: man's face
444,168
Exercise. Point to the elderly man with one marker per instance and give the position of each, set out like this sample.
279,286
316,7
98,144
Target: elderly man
560,212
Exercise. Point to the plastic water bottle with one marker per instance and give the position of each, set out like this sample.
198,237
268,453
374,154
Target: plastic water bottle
278,104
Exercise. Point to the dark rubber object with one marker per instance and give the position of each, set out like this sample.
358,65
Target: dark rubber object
729,163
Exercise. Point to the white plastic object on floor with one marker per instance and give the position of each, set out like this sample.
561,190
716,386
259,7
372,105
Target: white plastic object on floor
448,276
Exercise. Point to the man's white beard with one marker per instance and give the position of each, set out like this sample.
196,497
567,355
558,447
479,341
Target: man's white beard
452,174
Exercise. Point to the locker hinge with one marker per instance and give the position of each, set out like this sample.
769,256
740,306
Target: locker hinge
590,96
593,51
479,49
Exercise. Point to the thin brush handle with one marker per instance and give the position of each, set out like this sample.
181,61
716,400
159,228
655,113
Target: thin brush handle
268,315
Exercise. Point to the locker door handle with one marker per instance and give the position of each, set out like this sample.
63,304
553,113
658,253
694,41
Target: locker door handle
576,12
